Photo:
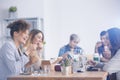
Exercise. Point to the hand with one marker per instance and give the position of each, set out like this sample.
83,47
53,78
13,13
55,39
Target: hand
91,62
30,48
104,59
65,55
107,54
98,44
33,58
58,60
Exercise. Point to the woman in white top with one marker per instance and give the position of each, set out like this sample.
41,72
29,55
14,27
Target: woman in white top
113,66
12,61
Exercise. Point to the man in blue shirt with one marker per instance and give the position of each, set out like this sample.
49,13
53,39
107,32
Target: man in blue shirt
70,47
103,47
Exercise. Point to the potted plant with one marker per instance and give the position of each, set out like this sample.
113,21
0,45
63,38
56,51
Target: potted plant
13,9
13,12
66,67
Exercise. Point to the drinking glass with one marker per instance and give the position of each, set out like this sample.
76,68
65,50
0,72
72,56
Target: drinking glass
46,69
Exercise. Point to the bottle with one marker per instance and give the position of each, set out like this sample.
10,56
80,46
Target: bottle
83,62
96,57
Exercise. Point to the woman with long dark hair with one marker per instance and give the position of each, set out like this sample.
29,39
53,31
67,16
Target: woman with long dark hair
113,66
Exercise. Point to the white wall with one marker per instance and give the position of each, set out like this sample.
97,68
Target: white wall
87,18
52,27
26,8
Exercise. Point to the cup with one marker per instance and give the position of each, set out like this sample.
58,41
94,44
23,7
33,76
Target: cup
35,73
46,69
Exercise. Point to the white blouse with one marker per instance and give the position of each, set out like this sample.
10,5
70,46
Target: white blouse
113,66
11,62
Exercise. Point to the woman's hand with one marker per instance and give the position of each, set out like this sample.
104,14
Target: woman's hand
30,48
91,62
33,58
107,52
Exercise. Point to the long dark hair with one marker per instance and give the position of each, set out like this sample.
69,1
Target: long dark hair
114,37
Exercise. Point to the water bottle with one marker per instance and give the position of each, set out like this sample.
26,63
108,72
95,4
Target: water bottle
96,57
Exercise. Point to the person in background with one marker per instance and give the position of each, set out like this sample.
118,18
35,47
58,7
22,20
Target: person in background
36,37
103,47
70,47
113,66
12,60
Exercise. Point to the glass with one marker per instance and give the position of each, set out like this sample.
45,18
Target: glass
84,63
35,73
27,71
76,66
52,60
46,69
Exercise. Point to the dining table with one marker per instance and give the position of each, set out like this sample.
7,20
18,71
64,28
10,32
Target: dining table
87,75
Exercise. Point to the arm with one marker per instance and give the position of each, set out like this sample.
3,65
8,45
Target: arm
113,65
31,51
62,53
98,44
107,56
12,59
104,59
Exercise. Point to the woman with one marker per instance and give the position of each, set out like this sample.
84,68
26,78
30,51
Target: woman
113,66
12,61
36,38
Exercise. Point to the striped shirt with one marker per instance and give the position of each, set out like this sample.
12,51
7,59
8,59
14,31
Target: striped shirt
11,62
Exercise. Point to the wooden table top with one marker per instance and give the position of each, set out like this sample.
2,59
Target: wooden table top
94,75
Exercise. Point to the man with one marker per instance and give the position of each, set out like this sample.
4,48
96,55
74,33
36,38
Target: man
71,48
103,47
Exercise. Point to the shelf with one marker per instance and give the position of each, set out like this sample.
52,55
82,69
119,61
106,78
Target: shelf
35,22
12,19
